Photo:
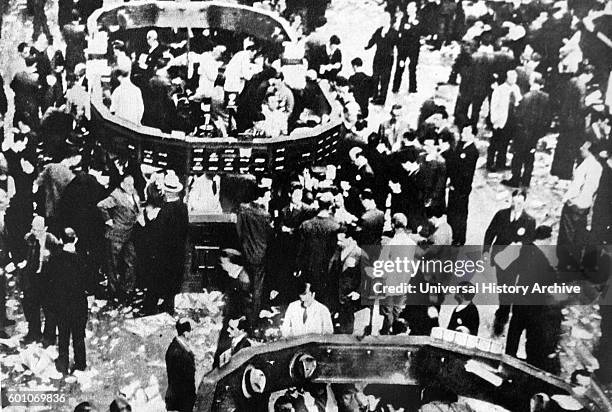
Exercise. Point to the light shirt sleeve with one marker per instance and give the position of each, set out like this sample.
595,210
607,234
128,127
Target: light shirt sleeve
585,184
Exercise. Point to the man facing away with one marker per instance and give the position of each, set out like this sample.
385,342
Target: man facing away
361,86
70,280
180,366
533,117
173,218
126,100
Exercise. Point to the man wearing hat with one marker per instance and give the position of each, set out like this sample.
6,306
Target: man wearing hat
180,366
246,395
173,219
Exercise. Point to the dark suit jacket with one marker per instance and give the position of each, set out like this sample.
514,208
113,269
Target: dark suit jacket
69,281
173,219
362,88
533,115
467,317
255,232
180,366
29,277
460,167
371,224
152,59
502,232
384,46
317,238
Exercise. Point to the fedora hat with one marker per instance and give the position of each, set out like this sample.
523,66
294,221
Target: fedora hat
172,183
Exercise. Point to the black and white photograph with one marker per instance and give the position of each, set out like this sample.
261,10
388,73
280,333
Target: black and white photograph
306,205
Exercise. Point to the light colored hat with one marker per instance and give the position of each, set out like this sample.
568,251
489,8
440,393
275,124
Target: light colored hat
325,197
172,183
354,152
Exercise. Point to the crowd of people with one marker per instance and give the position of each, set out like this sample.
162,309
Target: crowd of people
84,221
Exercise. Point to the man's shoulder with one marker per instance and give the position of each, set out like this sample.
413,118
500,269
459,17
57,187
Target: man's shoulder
293,306
502,213
320,307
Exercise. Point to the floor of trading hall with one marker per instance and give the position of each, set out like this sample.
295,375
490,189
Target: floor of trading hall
117,358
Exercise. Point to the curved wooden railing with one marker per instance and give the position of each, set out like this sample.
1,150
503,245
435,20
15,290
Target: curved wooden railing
192,155
388,360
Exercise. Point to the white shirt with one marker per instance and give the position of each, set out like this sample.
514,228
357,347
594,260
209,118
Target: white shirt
238,70
208,71
582,189
500,103
275,122
318,320
126,102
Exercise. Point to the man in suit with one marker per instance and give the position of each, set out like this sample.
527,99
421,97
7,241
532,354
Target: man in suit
510,227
408,187
408,47
238,297
286,243
254,227
361,85
154,54
76,41
180,366
400,247
34,281
77,209
475,87
533,118
372,220
39,20
345,266
460,166
120,210
173,219
317,243
70,281
384,38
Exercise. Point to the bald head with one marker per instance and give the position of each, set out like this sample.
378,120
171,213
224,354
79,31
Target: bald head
152,38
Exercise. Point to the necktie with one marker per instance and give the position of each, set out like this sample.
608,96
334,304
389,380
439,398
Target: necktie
305,316
512,99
